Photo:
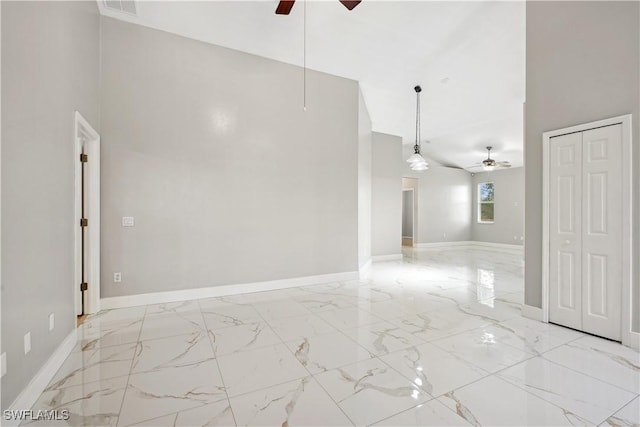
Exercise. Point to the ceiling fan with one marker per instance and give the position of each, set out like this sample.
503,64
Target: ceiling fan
490,164
284,6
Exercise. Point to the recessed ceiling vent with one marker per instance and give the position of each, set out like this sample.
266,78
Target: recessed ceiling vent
126,6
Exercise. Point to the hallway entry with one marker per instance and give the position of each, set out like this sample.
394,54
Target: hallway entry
409,211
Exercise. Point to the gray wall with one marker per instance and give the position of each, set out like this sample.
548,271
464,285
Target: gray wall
211,152
50,68
508,225
1,288
407,214
386,201
444,204
583,62
364,183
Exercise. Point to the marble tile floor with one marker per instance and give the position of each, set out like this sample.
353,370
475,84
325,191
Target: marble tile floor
435,339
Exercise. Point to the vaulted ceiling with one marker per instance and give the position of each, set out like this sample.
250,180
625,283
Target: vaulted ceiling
469,58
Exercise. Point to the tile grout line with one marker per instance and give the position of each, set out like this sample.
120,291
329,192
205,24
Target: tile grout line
309,372
126,387
226,392
496,374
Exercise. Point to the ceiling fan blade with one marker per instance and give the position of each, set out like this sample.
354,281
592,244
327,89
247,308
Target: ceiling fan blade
350,4
284,7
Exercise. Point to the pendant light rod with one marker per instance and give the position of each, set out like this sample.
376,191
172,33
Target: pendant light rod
416,147
416,161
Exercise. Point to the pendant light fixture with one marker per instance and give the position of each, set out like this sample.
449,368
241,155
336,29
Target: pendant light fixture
416,161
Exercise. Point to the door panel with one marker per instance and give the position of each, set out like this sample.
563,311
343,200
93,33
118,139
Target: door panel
565,192
596,285
566,267
596,203
602,235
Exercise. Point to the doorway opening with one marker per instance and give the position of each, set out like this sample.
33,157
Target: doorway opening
409,211
407,217
86,286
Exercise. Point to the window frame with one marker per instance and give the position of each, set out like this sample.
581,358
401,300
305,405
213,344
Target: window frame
480,202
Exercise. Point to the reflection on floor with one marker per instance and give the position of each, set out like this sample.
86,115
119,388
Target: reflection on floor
437,339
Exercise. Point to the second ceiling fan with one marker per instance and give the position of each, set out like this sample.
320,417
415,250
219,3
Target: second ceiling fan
490,164
284,6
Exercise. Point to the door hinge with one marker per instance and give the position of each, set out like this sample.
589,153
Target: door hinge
84,222
84,286
84,158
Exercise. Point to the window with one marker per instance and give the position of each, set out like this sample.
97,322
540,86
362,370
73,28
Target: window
485,202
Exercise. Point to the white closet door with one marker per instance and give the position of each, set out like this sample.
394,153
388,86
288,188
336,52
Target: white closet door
602,231
565,230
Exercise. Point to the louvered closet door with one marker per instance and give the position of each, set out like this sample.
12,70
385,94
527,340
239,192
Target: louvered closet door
565,230
602,231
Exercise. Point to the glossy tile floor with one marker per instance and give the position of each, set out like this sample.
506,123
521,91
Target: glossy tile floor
437,339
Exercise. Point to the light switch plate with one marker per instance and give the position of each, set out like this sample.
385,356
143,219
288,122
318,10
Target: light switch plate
52,321
128,221
4,364
27,343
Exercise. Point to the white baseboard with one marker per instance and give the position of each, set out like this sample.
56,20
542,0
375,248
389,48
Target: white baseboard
490,245
632,339
392,257
443,244
365,268
30,394
224,290
472,244
531,312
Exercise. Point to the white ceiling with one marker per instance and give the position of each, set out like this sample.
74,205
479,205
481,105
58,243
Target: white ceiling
469,58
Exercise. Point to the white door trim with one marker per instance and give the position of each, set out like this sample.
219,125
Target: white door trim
627,222
85,134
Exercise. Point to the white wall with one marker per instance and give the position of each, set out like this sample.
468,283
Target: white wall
386,200
444,204
508,225
583,64
228,179
50,68
364,183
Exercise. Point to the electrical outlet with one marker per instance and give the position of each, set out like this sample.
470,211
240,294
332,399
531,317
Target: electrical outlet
117,277
128,221
521,238
4,364
27,343
52,321
444,235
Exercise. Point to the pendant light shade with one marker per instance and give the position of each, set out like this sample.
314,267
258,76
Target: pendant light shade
416,161
415,158
420,166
